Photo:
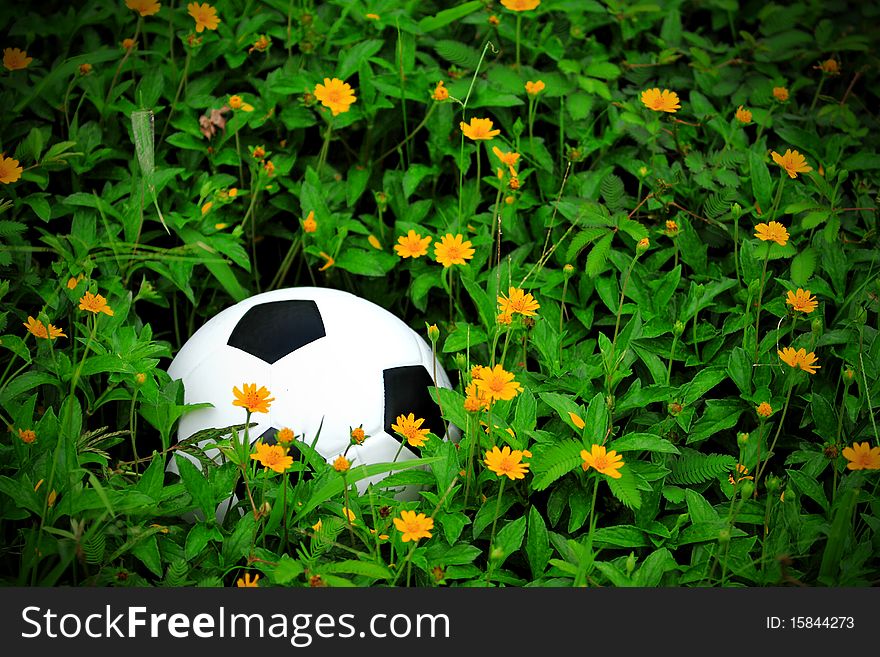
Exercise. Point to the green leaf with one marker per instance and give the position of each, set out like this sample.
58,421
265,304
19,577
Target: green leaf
352,567
197,486
739,369
809,487
648,442
626,489
238,544
198,537
286,570
509,539
538,550
702,383
653,568
720,414
699,508
824,417
603,70
620,536
840,534
447,16
761,182
803,265
598,255
147,551
457,555
555,462
151,481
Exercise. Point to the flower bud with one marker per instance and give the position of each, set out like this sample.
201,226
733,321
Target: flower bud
643,245
460,361
674,408
772,483
678,328
630,563
724,536
848,375
746,489
742,439
736,210
816,327
433,333
568,270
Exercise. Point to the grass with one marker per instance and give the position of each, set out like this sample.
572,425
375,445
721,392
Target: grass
662,322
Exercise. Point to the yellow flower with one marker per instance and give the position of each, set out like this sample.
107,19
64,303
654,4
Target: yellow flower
237,102
382,537
259,153
475,399
330,261
144,7
15,59
830,66
504,318
451,250
9,170
372,17
520,5
128,44
335,94
534,88
741,472
671,228
643,244
780,94
497,383
660,101
518,301
285,436
799,358
37,329
317,526
85,69
274,457
255,401
413,525
764,409
607,463
494,20
269,168
743,115
246,581
801,301
440,92
374,242
206,208
233,192
862,457
261,44
772,232
73,281
478,129
358,435
408,427
204,15
27,436
793,162
348,513
509,159
95,303
577,420
341,464
53,496
506,462
309,224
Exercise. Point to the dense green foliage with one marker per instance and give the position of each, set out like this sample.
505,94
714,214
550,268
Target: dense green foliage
662,315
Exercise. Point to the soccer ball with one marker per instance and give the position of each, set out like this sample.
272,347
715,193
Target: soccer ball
331,360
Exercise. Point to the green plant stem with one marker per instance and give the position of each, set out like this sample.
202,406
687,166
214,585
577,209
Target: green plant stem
325,148
671,355
518,26
132,431
137,31
763,466
611,366
818,91
581,573
472,427
770,218
492,533
409,137
177,94
735,249
694,333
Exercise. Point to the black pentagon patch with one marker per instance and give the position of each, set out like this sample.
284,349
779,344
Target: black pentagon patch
270,331
406,391
268,436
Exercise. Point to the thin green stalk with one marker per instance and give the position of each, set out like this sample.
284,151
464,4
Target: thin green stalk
763,466
818,91
611,367
492,533
694,333
735,248
518,24
177,94
132,419
137,31
325,148
671,355
866,388
771,216
581,574
401,77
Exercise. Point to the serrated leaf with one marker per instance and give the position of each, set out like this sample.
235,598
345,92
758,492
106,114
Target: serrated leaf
809,487
803,265
625,489
598,255
556,462
648,442
538,550
510,538
761,181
